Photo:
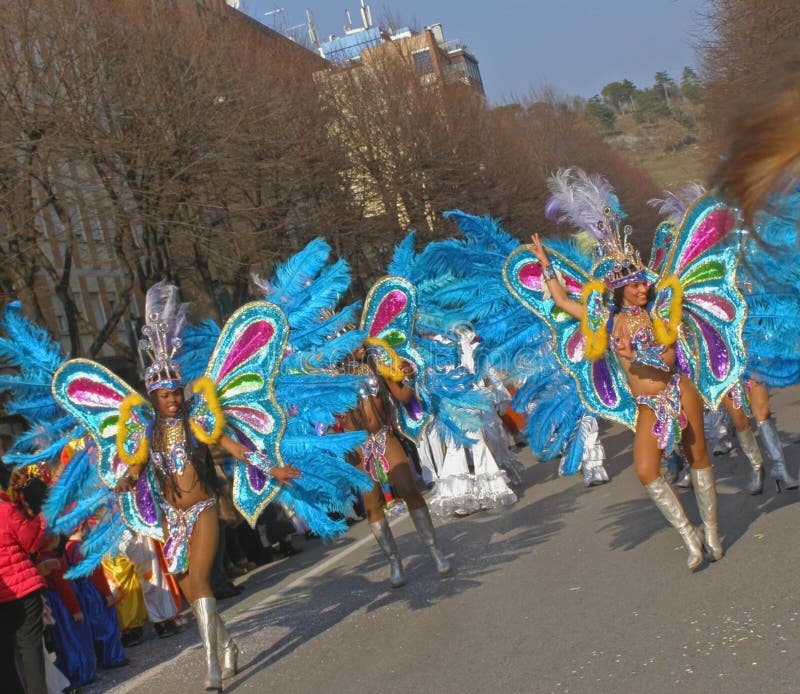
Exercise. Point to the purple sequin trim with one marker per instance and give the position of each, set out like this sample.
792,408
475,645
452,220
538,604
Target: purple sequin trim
144,501
717,351
242,437
682,361
256,478
603,383
414,408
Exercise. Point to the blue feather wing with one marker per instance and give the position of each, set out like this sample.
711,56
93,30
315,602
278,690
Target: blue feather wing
198,345
61,401
463,284
34,358
769,278
601,383
80,495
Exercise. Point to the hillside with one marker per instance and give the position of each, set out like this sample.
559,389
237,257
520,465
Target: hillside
671,153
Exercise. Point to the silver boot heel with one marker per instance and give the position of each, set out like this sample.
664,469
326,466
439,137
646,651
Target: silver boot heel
205,611
230,651
748,446
383,534
706,493
774,449
667,502
424,525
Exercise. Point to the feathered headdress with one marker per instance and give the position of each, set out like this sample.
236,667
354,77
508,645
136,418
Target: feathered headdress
674,205
589,203
165,319
28,486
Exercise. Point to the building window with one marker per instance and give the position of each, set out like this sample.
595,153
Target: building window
98,312
472,70
423,62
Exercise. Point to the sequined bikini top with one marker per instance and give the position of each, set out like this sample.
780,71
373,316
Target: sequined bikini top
647,352
169,452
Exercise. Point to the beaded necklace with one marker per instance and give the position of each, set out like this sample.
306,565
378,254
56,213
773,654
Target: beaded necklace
636,318
172,432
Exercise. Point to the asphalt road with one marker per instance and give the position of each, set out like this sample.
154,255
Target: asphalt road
569,590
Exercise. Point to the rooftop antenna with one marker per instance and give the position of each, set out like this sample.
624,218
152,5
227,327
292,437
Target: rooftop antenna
274,12
366,15
348,23
312,29
288,32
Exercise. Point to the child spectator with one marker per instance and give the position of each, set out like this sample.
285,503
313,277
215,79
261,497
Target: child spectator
97,604
72,636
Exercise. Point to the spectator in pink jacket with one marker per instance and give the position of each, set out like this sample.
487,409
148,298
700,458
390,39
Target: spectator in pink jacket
21,587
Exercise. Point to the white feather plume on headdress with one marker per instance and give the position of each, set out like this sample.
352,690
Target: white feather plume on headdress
674,205
165,318
588,202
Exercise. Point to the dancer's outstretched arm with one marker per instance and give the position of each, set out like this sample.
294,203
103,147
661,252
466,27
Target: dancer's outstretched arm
560,297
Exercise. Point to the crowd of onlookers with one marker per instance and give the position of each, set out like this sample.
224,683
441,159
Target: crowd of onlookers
55,632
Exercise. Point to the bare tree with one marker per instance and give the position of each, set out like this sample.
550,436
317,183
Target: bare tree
143,141
742,47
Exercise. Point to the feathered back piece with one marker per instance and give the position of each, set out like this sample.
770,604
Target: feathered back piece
674,205
165,318
589,203
33,357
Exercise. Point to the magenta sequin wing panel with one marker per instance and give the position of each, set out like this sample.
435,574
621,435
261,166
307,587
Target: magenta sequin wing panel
93,395
713,310
601,383
243,365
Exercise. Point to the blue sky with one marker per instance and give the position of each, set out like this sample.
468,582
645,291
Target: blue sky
575,46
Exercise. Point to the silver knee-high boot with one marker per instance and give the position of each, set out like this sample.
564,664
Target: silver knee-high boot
424,525
205,612
706,493
772,445
749,446
230,651
383,534
667,502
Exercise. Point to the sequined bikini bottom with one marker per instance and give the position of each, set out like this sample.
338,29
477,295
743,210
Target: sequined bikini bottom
180,523
375,463
670,419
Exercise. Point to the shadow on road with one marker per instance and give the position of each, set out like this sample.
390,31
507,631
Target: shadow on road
477,546
635,521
